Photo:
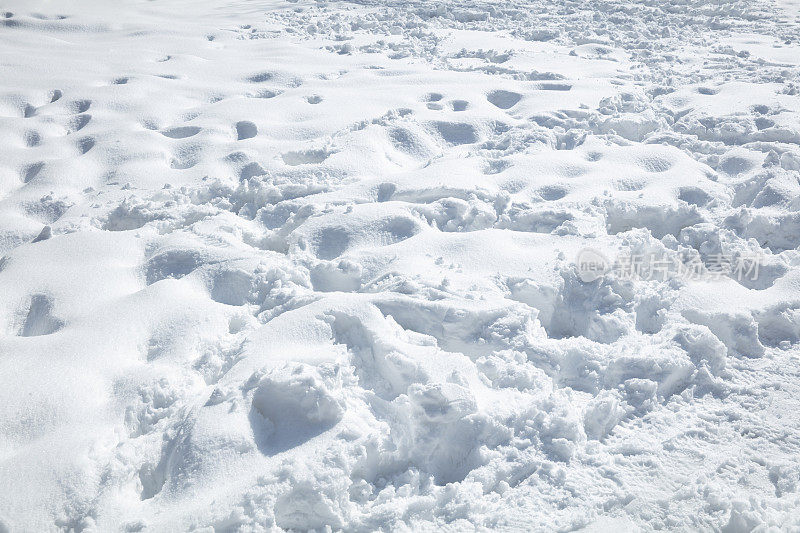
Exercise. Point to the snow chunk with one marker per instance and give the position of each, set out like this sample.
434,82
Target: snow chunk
292,405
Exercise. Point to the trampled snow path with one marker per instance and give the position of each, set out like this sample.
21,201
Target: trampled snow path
300,265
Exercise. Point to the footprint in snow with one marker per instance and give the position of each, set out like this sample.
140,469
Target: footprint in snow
79,106
181,132
30,172
39,319
260,77
85,144
77,123
503,99
551,193
245,130
496,166
251,170
456,133
45,234
32,138
554,87
433,101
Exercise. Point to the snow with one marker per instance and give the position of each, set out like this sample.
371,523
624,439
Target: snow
275,264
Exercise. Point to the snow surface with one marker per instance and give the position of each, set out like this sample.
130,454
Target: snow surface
276,264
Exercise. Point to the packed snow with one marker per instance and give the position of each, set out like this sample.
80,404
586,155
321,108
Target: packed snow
399,265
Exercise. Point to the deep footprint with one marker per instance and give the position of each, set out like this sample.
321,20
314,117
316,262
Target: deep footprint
85,144
39,319
31,171
245,130
503,99
181,132
32,138
78,122
80,106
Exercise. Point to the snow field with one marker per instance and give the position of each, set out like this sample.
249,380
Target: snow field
303,265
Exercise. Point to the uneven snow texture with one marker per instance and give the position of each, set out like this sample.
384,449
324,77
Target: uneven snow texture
291,265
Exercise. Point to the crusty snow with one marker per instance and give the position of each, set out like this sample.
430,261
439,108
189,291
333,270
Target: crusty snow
289,265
